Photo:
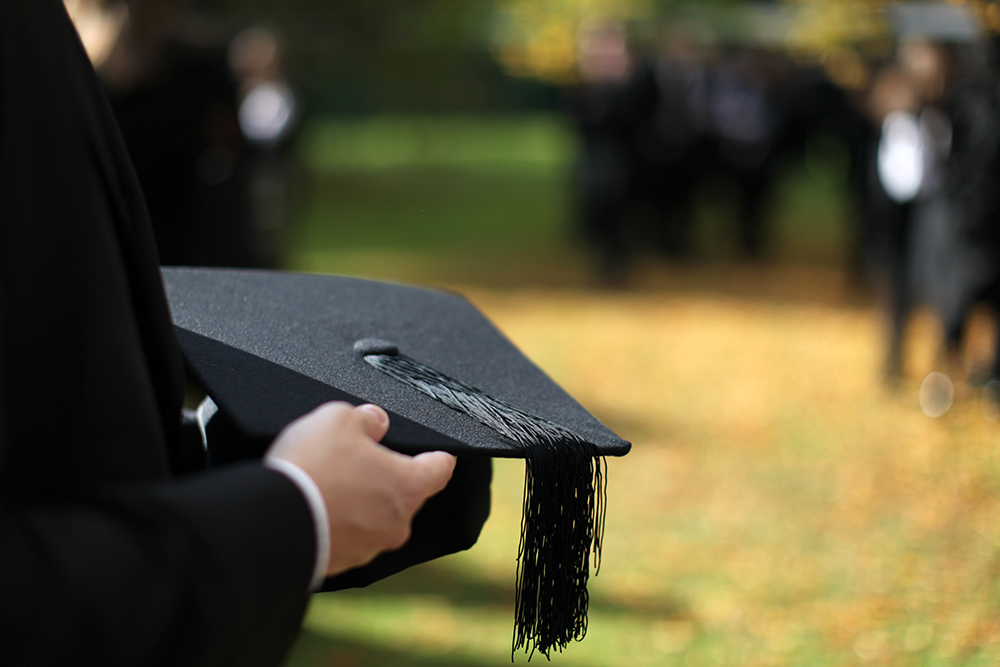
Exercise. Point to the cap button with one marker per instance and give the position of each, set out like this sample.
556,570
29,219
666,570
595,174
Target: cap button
367,346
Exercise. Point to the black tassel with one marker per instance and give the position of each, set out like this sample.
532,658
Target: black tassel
565,498
562,521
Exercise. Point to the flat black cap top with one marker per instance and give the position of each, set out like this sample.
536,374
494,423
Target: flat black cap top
270,346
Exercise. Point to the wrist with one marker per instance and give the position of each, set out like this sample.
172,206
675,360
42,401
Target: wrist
317,507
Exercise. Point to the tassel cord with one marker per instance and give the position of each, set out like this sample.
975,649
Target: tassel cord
563,512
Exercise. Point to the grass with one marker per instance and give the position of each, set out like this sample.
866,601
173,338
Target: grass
779,507
491,198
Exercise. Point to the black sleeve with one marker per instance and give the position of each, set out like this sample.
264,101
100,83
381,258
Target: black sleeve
209,571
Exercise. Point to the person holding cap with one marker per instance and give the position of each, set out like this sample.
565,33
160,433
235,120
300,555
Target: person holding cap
113,551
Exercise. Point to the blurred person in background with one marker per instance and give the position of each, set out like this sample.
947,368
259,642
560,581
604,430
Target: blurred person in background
671,139
645,142
972,186
937,165
916,166
654,129
207,119
269,118
603,108
887,205
747,121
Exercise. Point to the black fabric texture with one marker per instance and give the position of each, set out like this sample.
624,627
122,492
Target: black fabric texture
309,325
106,557
239,381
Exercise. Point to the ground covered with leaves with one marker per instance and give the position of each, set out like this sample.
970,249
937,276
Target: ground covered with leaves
780,505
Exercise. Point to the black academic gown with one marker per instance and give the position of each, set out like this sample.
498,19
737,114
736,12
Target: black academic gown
105,557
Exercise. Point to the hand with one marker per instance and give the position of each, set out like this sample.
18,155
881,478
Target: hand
371,492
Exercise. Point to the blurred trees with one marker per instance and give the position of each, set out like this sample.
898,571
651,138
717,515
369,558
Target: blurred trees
395,55
461,55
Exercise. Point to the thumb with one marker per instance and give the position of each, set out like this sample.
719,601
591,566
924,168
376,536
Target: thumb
435,469
375,421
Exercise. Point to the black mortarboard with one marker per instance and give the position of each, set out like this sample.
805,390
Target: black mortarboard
268,347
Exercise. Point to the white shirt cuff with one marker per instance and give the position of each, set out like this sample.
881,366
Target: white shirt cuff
314,497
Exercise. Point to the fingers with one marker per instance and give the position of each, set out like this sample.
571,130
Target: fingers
374,420
435,469
371,492
427,473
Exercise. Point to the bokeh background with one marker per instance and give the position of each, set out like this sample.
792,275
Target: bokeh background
700,221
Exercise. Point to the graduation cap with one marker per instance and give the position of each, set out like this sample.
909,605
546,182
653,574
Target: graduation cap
268,347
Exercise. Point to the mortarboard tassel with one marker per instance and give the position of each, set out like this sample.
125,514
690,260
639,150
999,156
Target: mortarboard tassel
565,487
